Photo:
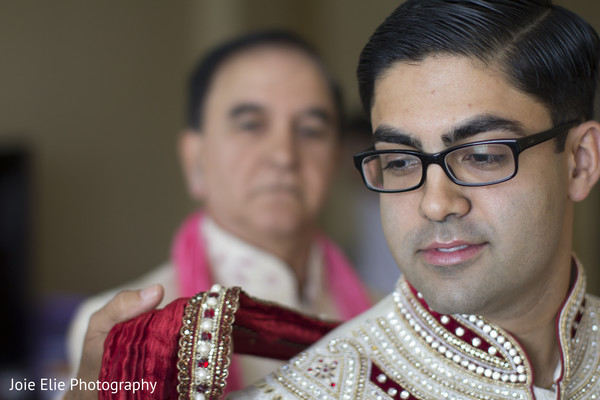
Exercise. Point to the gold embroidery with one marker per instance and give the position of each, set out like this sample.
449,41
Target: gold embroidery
205,344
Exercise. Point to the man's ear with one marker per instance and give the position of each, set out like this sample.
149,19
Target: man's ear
583,146
190,154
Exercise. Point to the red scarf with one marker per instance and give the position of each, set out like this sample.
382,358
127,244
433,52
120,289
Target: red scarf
194,275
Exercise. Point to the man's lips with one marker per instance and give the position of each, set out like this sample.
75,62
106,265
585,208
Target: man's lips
451,253
278,190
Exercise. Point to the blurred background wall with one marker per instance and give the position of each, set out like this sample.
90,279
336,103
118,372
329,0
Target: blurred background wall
93,93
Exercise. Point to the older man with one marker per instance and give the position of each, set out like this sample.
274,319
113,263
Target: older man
259,152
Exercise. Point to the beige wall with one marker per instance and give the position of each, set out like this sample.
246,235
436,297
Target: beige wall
97,91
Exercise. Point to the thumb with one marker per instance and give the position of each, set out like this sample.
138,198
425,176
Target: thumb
125,305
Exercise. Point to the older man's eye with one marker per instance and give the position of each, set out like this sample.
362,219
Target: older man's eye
250,125
312,131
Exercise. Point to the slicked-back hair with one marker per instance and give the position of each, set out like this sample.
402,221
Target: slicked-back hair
207,68
543,50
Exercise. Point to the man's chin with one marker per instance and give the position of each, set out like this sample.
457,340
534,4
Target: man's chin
280,226
446,295
456,301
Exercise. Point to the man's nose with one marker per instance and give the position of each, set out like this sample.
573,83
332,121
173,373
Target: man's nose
442,198
283,148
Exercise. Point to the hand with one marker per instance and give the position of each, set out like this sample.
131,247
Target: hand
124,306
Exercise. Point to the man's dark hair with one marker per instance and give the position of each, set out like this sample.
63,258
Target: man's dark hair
208,67
544,50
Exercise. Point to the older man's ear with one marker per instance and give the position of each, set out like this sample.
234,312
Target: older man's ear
190,149
583,151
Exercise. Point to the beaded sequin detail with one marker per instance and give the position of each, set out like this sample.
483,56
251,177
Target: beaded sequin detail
411,352
205,344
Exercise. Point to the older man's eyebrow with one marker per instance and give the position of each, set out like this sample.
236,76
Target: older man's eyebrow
244,108
481,124
389,134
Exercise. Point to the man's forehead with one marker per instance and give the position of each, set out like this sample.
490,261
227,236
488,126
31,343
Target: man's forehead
269,77
438,95
439,78
264,64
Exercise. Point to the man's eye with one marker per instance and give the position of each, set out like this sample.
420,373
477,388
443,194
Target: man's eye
402,165
484,161
399,164
249,126
311,131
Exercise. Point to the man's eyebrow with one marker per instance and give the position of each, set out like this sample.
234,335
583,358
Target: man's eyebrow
244,108
466,129
389,134
481,124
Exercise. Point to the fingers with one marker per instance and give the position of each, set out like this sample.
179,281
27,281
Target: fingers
124,306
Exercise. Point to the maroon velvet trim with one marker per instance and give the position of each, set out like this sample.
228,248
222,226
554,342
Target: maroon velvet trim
268,330
144,348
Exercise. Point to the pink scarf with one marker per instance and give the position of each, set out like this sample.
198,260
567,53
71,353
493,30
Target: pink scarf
194,275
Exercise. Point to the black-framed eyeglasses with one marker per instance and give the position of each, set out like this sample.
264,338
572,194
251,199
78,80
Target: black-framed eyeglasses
480,163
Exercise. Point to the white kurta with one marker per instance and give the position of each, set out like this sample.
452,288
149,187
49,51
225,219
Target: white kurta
233,263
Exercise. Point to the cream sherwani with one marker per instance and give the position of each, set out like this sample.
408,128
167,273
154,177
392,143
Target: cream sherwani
401,349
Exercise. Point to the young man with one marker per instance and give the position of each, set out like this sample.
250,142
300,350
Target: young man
483,141
259,152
